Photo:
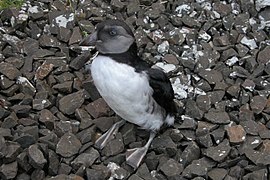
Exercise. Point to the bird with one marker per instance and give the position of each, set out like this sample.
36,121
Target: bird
136,92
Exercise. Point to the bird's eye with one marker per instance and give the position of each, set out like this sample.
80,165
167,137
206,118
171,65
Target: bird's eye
112,32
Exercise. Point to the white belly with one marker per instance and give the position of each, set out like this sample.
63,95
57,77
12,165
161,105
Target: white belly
128,93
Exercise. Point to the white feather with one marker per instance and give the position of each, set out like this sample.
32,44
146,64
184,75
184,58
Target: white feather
128,93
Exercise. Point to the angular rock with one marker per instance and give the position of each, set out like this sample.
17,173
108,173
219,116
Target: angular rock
198,167
80,60
98,108
164,144
9,70
53,161
85,159
68,145
44,70
36,157
219,152
171,168
257,104
217,173
68,104
39,104
65,87
9,171
211,76
217,117
76,36
236,134
115,146
47,118
191,152
263,55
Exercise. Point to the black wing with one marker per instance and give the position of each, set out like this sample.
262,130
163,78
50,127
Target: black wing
163,91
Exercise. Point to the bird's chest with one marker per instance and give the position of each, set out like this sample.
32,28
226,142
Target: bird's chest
118,83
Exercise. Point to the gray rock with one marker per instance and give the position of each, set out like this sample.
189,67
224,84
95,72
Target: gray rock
192,110
259,174
171,168
39,104
263,55
191,152
64,169
64,34
68,145
47,118
128,132
115,146
217,173
217,117
44,70
36,157
85,159
25,140
53,163
84,117
219,152
95,174
65,87
23,162
9,171
68,104
9,70
76,36
164,144
12,151
80,60
236,134
198,167
257,104
98,108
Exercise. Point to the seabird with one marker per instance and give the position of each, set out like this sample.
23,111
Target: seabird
136,92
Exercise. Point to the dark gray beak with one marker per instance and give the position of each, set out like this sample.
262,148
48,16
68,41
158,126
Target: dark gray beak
89,40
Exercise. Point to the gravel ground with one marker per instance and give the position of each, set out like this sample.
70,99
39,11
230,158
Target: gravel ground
215,52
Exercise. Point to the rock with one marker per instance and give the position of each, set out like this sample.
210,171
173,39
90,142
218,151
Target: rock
9,171
128,132
47,118
192,110
171,168
191,152
36,157
115,146
198,167
64,169
250,127
248,85
98,108
84,117
188,123
85,159
68,145
9,70
217,117
53,162
259,174
44,70
217,173
236,134
263,55
68,104
38,174
65,87
95,174
164,144
104,123
64,34
80,60
257,104
23,162
117,172
64,176
39,104
171,59
76,36
211,76
25,140
219,152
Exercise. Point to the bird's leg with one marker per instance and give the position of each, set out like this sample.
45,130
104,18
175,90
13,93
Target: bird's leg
135,156
106,137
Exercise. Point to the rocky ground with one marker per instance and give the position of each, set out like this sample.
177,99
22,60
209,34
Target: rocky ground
215,52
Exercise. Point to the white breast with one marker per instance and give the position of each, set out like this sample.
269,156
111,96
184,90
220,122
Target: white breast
127,92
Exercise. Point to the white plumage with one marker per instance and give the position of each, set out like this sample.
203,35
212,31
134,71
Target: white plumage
128,93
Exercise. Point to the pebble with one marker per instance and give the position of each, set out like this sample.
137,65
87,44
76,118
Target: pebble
68,145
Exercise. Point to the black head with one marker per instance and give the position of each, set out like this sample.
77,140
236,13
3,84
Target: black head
111,37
